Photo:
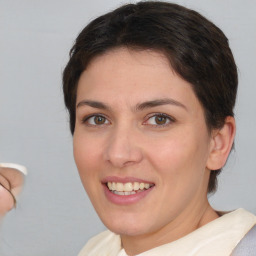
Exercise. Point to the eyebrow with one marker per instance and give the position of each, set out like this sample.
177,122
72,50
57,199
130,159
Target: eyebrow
158,102
138,107
93,104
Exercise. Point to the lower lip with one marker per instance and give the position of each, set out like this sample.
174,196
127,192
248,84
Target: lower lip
125,200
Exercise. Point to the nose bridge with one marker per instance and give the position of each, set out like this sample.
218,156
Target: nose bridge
123,148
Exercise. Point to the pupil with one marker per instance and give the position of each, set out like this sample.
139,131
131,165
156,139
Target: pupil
160,120
99,120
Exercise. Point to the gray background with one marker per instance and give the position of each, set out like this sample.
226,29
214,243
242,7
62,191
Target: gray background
54,217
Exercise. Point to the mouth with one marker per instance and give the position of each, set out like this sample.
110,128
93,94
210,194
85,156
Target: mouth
128,188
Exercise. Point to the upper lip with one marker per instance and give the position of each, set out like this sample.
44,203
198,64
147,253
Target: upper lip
124,179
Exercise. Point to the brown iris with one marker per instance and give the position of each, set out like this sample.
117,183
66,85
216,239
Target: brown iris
99,120
160,120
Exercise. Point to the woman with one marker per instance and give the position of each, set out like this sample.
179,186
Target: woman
11,182
150,89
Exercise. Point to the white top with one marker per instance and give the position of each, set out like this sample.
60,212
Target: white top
218,237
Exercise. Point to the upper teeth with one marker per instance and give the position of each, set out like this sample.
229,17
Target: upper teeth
127,187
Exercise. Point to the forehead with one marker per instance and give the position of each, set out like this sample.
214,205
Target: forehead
142,56
133,76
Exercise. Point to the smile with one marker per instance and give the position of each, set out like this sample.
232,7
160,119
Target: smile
129,188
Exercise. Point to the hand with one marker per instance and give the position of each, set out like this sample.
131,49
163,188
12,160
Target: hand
11,182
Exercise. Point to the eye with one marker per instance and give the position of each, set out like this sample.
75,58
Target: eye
96,120
159,120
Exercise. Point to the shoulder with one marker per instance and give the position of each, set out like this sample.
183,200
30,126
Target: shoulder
240,218
247,246
246,222
104,244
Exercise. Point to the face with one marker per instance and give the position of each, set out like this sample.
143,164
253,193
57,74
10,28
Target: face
141,143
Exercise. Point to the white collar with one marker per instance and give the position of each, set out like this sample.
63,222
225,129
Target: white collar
218,237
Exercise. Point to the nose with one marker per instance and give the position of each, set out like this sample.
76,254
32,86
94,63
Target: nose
123,148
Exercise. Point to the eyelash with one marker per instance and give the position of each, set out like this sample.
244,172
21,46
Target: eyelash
169,119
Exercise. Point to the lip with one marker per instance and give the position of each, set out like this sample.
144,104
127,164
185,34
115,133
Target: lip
124,180
125,199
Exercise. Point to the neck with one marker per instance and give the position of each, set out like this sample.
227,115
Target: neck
189,220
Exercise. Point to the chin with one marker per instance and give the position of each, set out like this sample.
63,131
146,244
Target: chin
127,230
126,226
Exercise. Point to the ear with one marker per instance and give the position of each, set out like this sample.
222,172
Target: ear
221,144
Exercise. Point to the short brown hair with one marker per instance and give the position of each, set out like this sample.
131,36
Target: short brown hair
197,50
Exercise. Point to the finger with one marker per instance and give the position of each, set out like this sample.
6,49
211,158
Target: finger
7,201
14,176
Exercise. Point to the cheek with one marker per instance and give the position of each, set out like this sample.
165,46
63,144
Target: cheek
85,161
86,155
179,156
180,166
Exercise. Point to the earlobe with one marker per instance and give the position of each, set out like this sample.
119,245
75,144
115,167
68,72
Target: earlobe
221,144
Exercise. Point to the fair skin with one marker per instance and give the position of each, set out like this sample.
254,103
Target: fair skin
11,181
138,122
6,199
